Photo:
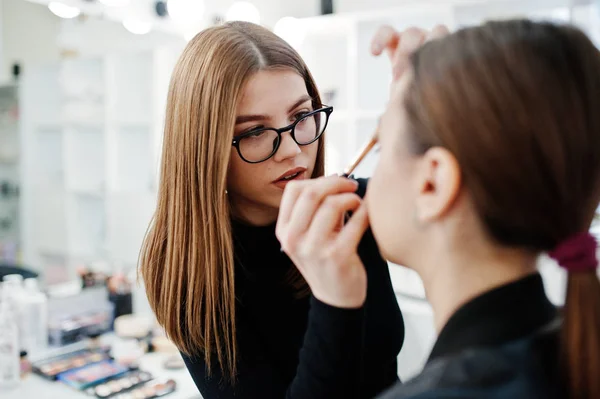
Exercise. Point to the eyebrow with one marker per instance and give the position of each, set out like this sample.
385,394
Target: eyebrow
251,118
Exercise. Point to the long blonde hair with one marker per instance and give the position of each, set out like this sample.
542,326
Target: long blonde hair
187,259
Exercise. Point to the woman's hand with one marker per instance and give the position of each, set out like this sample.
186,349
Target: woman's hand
400,45
311,231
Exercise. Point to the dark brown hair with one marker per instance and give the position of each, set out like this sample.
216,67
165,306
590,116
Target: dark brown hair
518,104
187,259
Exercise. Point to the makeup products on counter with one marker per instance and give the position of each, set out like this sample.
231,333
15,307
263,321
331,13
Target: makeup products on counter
74,317
51,368
152,389
9,347
119,385
174,362
127,352
25,364
92,374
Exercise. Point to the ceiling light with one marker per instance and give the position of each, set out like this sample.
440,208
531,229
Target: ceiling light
137,26
186,11
291,30
63,10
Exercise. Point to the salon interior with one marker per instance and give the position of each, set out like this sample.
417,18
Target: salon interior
83,88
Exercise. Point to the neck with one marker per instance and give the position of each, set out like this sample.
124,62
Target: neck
252,213
463,276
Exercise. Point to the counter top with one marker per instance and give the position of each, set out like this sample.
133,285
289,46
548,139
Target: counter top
34,386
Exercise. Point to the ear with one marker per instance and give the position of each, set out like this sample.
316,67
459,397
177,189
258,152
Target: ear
439,184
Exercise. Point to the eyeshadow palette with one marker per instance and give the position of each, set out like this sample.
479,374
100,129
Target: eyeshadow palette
92,374
151,389
118,385
51,368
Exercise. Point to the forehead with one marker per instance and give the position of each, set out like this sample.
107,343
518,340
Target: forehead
271,90
395,108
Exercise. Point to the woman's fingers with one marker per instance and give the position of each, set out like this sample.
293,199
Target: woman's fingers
438,32
301,203
410,40
288,200
386,38
400,46
355,228
329,215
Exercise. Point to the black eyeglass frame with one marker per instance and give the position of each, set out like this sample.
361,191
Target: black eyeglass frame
291,127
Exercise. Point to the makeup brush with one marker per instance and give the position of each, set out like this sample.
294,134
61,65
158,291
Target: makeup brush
361,155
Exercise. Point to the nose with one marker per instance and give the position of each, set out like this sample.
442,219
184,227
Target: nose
288,148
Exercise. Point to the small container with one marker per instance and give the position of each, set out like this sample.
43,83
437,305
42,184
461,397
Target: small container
25,365
127,352
9,342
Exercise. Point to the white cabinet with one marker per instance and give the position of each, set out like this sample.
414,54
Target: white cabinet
91,135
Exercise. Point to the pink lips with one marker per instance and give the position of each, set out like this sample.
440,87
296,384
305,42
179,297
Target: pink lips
300,173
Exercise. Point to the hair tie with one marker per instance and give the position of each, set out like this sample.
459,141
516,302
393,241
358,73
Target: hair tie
577,253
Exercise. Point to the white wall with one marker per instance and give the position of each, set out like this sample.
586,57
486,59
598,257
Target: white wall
99,37
363,5
28,35
271,10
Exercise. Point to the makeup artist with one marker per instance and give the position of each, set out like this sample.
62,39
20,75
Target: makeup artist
490,155
244,118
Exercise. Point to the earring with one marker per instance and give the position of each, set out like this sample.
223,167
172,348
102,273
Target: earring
226,192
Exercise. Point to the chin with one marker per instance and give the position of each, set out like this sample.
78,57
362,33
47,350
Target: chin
389,253
274,201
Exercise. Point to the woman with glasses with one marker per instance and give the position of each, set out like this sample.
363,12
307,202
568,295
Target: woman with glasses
244,118
490,156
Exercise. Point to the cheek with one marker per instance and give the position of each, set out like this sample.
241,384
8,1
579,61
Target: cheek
388,198
377,198
311,152
235,171
249,180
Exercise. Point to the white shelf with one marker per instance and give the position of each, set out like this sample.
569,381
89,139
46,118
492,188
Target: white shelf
337,148
325,56
86,224
47,105
133,168
85,161
47,168
49,216
131,88
86,192
128,218
370,113
82,80
90,133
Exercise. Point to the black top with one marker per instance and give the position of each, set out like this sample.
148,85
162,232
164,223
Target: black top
502,344
303,348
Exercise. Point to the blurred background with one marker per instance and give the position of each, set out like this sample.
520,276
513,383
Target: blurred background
82,96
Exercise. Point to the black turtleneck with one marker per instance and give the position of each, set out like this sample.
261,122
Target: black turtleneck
502,344
291,347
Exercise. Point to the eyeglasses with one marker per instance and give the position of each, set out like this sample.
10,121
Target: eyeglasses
260,144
